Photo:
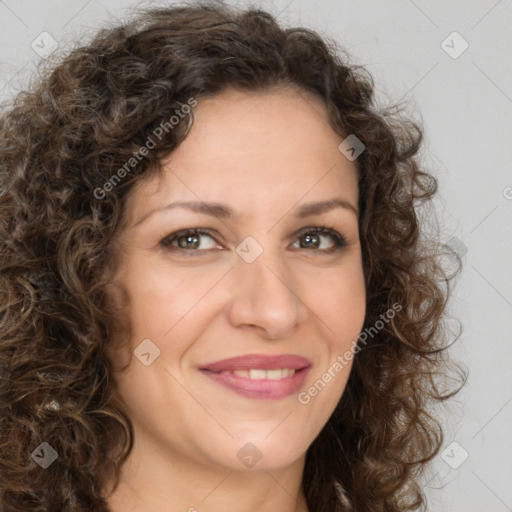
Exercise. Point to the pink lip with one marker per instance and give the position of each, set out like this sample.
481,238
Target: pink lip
260,361
264,389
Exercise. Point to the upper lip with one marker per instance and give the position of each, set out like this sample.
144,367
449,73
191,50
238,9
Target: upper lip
258,361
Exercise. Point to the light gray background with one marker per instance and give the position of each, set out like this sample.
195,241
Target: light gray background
466,106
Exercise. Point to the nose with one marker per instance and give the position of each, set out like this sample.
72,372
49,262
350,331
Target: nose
265,297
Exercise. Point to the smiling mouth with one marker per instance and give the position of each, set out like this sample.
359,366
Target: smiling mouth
261,374
257,383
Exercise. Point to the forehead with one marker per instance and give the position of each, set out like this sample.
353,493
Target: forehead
254,151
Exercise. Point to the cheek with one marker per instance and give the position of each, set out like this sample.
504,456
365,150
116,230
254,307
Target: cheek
341,310
161,296
341,304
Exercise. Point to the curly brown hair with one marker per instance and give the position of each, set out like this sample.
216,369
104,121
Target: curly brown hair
73,129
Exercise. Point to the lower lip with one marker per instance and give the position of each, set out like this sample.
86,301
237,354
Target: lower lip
263,389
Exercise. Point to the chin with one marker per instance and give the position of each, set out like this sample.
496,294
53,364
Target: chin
260,454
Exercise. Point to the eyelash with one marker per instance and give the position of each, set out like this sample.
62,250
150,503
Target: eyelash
339,240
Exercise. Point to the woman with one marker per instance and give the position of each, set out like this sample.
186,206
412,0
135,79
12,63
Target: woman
276,340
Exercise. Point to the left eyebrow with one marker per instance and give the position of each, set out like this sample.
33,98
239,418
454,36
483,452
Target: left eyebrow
310,209
223,211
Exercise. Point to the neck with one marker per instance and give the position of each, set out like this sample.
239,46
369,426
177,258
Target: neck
161,482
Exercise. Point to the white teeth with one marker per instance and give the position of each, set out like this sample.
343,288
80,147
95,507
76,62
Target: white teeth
257,374
275,374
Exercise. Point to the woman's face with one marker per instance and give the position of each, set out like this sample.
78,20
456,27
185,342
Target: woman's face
260,285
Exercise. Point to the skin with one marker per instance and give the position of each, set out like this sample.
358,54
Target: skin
264,154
